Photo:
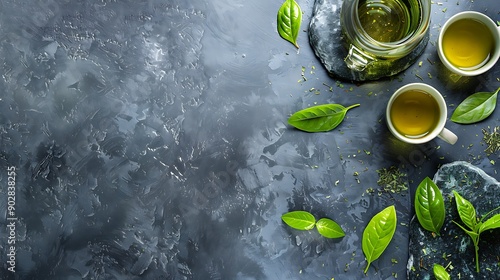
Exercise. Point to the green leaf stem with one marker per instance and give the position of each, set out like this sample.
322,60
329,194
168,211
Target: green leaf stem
319,118
378,234
429,206
475,108
289,21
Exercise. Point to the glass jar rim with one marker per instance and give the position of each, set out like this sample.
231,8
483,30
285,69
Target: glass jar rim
409,39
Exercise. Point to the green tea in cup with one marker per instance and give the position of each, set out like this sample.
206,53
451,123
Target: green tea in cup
468,43
415,113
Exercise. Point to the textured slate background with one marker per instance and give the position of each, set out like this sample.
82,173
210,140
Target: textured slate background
150,142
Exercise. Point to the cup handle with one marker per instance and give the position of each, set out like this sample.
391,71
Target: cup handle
448,136
357,60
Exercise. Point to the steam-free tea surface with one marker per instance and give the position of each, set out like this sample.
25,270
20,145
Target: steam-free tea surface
324,33
467,43
415,113
384,21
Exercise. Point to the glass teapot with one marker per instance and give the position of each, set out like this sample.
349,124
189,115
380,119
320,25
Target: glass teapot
377,32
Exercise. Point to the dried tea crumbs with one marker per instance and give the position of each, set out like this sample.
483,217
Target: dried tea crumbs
330,88
492,140
392,180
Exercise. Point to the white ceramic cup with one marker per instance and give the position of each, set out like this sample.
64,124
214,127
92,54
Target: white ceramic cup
438,131
495,32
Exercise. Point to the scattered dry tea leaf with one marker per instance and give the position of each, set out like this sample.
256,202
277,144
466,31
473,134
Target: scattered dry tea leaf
492,140
392,180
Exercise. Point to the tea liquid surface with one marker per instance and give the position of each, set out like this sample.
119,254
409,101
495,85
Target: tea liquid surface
414,113
384,20
467,43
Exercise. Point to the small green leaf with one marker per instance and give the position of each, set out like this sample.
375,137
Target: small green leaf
300,220
289,21
466,211
475,108
429,206
378,234
329,228
491,223
319,118
440,272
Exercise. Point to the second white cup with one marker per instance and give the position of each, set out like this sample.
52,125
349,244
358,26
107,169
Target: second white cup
469,43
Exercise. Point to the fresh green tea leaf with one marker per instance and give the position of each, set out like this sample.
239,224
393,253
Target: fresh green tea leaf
378,234
466,211
467,214
289,21
491,223
329,228
319,118
300,220
440,272
429,206
475,108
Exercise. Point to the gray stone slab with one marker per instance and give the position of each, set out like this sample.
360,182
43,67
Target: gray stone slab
454,247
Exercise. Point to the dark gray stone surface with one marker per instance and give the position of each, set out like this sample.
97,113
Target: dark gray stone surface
454,247
325,34
150,141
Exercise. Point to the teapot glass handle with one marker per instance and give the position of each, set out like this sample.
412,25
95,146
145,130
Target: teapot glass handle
357,60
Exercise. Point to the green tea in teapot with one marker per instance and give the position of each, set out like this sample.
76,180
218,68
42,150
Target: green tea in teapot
388,20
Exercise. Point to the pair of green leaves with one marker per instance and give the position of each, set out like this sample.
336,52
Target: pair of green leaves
303,220
319,118
289,21
475,108
378,234
474,227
